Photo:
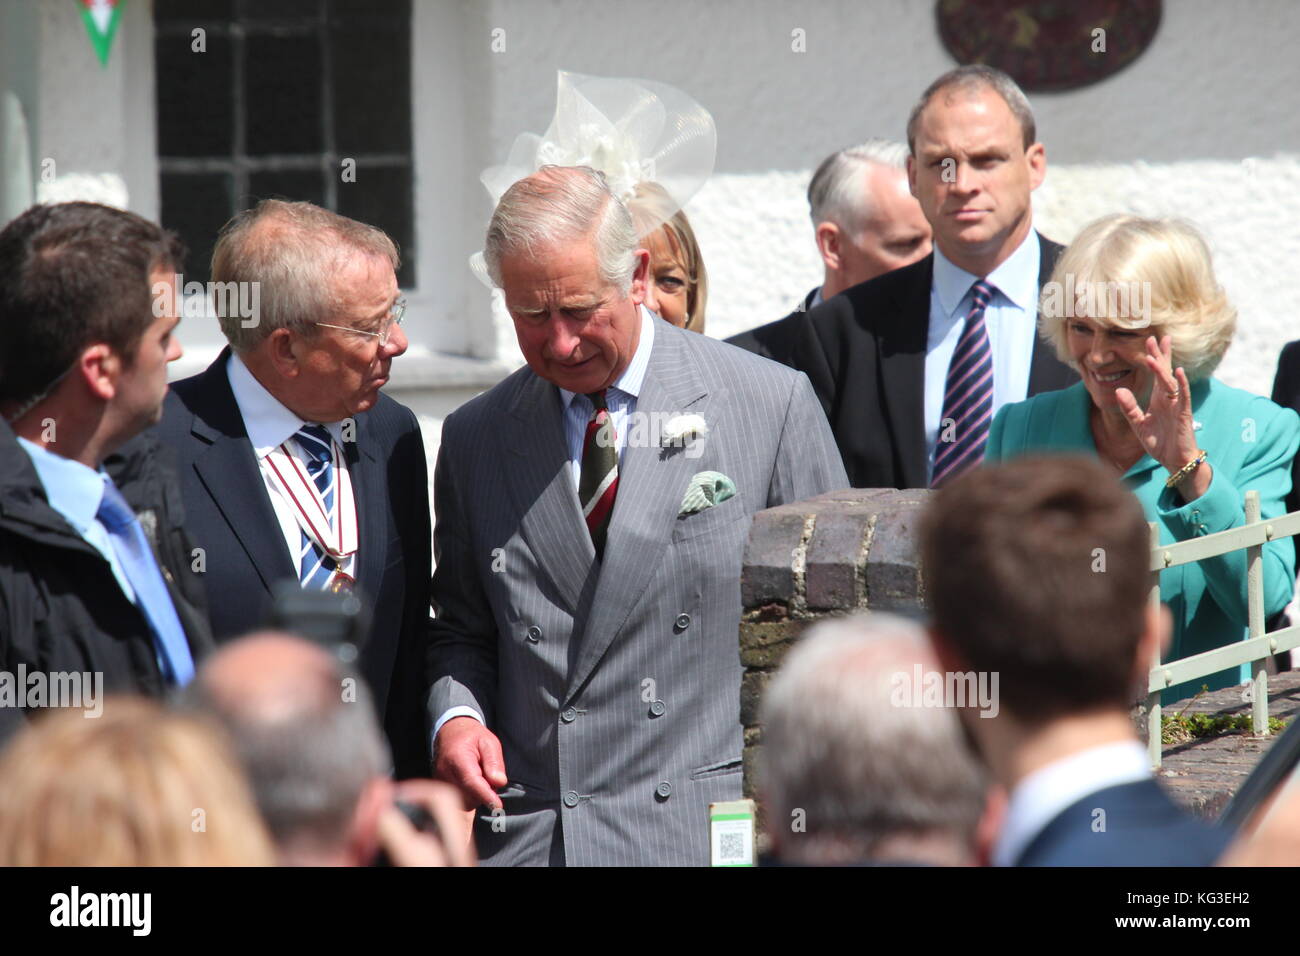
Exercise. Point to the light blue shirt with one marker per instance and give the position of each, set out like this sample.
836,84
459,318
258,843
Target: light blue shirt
1011,319
75,491
620,399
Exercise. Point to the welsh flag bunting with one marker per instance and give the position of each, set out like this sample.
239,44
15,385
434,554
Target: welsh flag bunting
101,18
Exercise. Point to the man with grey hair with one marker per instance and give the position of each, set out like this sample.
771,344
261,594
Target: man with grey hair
865,222
592,513
855,768
293,465
305,731
911,366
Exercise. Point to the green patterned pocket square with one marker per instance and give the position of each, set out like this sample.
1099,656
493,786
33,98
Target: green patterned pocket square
706,489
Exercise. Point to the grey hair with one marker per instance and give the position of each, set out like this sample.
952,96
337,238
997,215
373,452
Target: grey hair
558,204
307,767
971,79
294,251
836,192
863,769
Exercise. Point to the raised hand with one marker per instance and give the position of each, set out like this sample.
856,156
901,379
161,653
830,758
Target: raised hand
1165,428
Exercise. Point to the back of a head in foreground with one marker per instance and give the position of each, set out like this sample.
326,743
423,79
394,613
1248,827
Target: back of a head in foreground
853,770
304,727
1037,569
136,786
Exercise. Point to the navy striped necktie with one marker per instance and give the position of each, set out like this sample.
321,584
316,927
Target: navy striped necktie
315,567
968,395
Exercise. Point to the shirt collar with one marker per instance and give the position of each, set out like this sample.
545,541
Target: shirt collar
1016,278
633,377
1044,794
268,423
73,490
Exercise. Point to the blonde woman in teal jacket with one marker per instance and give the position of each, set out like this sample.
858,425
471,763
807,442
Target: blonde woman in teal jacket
1134,306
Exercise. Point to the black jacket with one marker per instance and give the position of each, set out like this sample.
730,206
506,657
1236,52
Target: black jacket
864,352
61,608
776,340
230,515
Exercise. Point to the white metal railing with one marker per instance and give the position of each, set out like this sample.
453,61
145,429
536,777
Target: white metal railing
1251,537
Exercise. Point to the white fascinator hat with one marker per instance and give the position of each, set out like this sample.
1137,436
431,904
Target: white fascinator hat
632,131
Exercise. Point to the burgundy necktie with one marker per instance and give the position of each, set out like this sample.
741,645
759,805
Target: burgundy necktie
599,481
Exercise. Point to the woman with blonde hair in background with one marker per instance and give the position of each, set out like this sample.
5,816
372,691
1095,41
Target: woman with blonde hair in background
136,786
1135,307
678,289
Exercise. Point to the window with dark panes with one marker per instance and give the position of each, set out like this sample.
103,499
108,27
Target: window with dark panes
284,99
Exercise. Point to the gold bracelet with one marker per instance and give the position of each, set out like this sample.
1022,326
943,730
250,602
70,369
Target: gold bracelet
1186,470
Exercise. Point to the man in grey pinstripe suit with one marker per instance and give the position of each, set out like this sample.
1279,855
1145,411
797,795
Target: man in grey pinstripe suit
586,699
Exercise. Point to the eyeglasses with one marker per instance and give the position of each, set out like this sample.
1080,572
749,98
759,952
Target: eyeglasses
395,315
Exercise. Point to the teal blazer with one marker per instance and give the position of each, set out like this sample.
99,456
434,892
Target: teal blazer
1250,442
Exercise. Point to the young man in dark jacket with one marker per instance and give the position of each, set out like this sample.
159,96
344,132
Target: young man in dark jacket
98,587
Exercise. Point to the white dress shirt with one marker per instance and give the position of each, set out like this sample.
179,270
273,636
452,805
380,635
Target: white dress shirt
269,424
1011,319
620,399
1039,798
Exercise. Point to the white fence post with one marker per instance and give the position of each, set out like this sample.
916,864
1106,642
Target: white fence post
1153,699
1255,619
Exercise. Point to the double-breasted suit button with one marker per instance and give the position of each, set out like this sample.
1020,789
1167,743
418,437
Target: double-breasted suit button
657,708
569,715
534,633
683,622
664,790
571,799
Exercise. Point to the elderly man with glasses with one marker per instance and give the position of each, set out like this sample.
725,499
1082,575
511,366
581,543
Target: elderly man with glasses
293,465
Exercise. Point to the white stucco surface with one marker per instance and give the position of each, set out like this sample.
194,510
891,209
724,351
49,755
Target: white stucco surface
1205,125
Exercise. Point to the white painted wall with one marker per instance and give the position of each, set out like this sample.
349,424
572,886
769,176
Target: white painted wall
1173,134
1166,136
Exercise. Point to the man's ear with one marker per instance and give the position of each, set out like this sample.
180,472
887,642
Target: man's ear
950,659
640,276
1036,157
100,368
828,244
280,347
911,175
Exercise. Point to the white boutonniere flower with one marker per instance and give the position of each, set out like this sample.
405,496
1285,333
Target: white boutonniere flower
680,427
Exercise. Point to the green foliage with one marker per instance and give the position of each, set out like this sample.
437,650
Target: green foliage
1184,727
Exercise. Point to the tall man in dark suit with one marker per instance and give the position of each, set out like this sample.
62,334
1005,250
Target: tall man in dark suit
585,672
294,466
866,223
911,366
1038,572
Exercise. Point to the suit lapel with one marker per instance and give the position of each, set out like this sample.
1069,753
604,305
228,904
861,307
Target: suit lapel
537,466
369,493
651,483
901,353
228,471
1046,372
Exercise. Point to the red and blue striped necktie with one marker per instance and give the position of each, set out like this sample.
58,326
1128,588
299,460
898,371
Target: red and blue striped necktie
968,395
598,483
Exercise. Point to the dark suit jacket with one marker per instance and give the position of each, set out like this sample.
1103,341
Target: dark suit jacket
864,352
1142,827
776,340
230,516
1286,392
